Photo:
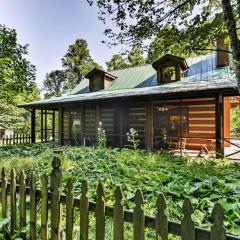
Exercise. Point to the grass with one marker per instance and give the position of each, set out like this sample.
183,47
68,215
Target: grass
205,181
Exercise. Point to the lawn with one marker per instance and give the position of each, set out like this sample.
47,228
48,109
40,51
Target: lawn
205,181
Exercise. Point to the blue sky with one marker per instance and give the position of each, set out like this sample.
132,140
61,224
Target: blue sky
49,26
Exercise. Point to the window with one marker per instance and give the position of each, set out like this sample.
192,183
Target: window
169,73
97,83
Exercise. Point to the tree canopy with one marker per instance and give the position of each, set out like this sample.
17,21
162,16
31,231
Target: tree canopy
54,83
135,57
17,81
17,75
116,62
194,24
77,62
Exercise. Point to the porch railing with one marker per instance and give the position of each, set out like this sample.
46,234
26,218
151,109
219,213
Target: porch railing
50,198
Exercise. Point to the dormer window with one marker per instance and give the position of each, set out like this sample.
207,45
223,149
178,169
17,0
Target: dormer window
97,83
99,79
169,68
168,74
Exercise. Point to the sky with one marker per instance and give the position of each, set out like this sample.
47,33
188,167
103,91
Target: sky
50,26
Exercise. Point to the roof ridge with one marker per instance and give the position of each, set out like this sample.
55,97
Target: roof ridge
144,65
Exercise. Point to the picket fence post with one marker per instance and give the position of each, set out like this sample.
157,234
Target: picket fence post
84,211
118,218
187,224
69,209
218,231
138,217
161,218
13,203
22,204
44,207
55,186
100,213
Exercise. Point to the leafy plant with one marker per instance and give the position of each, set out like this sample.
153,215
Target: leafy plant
101,136
132,137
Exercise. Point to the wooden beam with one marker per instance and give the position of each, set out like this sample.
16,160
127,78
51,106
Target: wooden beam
33,126
53,125
149,130
41,125
60,131
45,125
121,123
82,126
219,127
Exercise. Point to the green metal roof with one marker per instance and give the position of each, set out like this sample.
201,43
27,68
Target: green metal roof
202,74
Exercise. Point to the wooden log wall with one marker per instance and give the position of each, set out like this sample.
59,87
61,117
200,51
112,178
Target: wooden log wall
196,127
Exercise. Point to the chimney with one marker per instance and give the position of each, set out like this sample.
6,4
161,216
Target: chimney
222,57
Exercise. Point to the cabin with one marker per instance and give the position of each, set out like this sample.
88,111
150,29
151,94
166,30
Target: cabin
5,131
173,103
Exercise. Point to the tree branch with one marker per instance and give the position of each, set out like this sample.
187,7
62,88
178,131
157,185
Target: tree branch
173,10
211,49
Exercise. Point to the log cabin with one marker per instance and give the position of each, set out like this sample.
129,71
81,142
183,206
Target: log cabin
174,103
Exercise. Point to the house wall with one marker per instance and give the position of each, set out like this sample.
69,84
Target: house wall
227,122
196,129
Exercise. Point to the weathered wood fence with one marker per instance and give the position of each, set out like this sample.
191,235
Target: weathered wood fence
15,139
48,202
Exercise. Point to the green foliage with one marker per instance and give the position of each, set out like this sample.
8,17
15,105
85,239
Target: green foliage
116,62
17,75
135,57
17,84
77,63
101,136
132,137
54,84
205,181
235,120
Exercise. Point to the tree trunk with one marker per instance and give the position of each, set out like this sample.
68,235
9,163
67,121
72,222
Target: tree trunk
238,7
232,31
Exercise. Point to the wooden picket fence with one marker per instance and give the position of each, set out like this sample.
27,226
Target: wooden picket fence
15,139
51,200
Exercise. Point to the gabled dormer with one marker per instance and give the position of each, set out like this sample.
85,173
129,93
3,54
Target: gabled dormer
99,79
169,68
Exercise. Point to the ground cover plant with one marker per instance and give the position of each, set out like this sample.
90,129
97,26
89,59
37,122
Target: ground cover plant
205,181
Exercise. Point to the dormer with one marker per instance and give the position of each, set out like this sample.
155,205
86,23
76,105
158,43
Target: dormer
169,68
99,79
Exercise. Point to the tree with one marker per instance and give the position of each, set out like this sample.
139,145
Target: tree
116,62
16,73
54,84
77,63
199,20
17,81
135,57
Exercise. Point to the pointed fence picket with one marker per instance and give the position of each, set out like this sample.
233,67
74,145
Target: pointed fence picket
49,199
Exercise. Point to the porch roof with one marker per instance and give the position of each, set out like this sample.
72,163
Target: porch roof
202,75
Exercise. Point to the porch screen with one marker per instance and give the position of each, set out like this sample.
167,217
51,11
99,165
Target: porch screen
90,126
75,127
137,119
110,118
47,129
185,124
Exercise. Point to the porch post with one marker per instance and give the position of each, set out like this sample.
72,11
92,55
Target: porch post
219,127
33,126
149,132
60,134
